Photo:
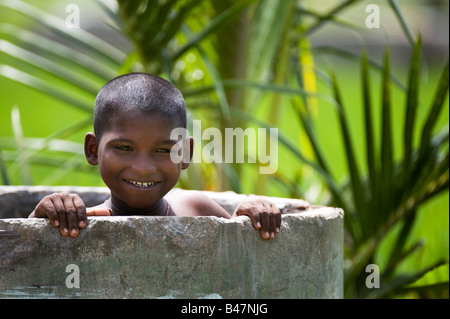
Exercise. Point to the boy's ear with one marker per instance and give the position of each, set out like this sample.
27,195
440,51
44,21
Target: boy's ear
91,148
188,147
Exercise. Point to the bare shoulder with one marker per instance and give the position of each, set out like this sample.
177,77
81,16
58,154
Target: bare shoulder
194,203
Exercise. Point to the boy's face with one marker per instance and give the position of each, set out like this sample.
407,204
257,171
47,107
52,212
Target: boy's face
134,161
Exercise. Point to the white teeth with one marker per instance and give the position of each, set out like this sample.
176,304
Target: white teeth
140,184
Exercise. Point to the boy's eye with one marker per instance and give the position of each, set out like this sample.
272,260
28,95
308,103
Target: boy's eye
124,148
163,150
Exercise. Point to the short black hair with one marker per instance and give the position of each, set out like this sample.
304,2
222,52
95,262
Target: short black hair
138,91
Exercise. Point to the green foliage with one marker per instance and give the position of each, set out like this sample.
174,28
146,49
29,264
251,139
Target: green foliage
256,68
393,190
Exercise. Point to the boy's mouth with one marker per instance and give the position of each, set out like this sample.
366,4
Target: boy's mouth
141,184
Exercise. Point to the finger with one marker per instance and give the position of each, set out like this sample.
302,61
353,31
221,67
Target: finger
273,225
61,212
45,208
265,225
71,215
81,211
278,221
275,219
255,218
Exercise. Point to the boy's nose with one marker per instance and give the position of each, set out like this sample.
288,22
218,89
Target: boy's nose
143,165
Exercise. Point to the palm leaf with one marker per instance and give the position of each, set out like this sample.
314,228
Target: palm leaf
247,84
59,52
330,16
5,175
218,85
400,195
215,25
40,85
61,63
19,140
398,12
386,142
292,148
396,255
435,110
264,37
44,144
342,53
307,124
433,291
72,163
358,192
390,288
48,66
411,109
373,199
84,39
53,160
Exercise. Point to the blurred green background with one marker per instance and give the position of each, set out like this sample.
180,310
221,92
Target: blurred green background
295,65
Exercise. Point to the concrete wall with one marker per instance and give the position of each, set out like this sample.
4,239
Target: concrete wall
176,257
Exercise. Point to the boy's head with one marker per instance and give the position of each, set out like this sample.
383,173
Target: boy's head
137,92
134,117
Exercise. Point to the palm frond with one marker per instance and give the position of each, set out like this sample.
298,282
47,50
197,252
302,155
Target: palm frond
400,17
87,41
411,109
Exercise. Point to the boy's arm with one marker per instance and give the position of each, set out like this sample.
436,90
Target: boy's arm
264,215
66,211
195,203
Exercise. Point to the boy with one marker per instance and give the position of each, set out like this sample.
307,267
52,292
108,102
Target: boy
133,118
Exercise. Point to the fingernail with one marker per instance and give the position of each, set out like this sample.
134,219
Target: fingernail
65,231
74,232
278,229
82,224
56,223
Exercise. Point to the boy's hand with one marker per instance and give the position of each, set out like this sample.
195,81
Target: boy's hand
66,211
265,216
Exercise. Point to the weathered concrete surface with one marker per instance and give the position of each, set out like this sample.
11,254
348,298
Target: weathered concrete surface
175,257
